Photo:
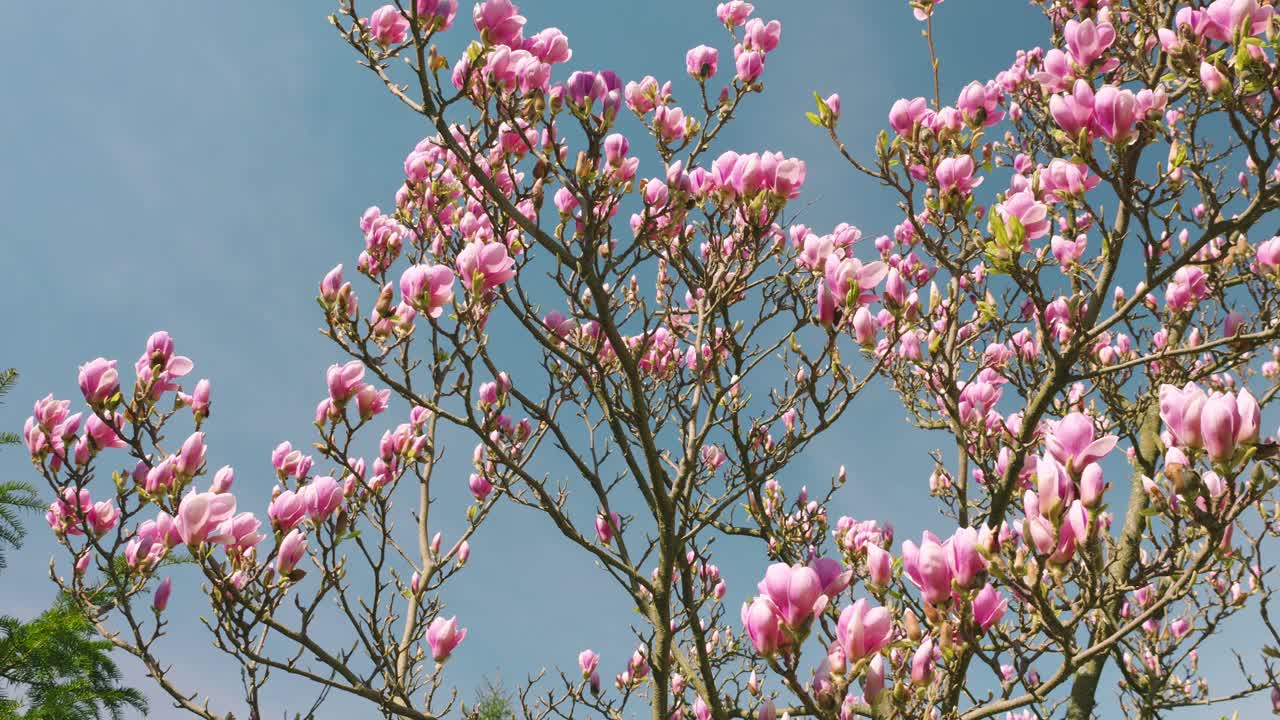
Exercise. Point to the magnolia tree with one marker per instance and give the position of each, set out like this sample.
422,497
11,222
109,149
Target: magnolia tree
1080,297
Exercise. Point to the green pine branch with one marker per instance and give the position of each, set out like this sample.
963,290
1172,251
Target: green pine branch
55,667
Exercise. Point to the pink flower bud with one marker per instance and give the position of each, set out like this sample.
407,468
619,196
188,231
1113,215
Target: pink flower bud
588,661
761,623
879,566
222,480
292,548
480,486
1218,424
988,607
922,663
161,598
444,636
927,567
191,455
1212,78
606,526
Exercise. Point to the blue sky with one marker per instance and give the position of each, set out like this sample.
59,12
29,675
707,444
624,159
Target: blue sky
197,167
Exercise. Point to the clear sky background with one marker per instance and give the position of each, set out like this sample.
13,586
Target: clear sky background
197,167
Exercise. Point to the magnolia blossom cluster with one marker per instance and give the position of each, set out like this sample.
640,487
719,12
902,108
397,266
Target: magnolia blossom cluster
185,515
995,308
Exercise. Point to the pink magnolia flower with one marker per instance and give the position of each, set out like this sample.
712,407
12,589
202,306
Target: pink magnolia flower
287,510
160,600
191,455
198,400
239,532
371,401
956,174
1065,180
978,104
671,125
101,435
388,26
1115,112
1211,77
760,619
1054,487
761,35
1189,286
585,88
879,565
292,548
1223,17
444,636
1068,252
873,680
1087,41
484,266
922,663
925,9
749,64
440,12
1091,485
66,513
427,288
714,456
605,526
1030,212
1228,420
344,380
1073,112
331,284
1180,409
99,380
734,12
1072,442
701,61
151,541
906,113
588,661
101,517
832,576
928,568
288,461
1218,422
850,282
795,591
499,22
322,496
863,630
200,514
551,46
963,559
480,486
158,366
988,607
